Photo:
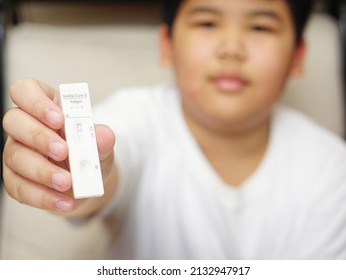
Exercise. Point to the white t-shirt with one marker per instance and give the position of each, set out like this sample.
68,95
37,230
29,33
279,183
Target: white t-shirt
172,204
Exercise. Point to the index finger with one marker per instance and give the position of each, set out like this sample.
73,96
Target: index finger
39,100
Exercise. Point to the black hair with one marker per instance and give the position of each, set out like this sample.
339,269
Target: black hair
300,11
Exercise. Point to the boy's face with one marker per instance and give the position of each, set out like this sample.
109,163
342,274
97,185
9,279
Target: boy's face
231,59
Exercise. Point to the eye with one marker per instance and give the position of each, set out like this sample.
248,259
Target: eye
208,24
205,24
261,28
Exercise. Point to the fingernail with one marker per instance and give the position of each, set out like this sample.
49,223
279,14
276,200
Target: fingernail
63,206
53,117
59,180
55,148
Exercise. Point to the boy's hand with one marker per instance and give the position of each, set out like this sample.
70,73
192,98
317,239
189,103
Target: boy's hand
35,166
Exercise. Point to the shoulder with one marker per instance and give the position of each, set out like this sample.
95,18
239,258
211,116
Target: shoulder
297,129
307,149
314,158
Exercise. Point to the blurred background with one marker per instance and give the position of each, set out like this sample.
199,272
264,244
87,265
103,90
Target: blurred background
113,44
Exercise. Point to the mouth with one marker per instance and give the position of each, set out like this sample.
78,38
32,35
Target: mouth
230,83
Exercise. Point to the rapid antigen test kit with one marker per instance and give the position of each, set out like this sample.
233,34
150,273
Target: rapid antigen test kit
81,139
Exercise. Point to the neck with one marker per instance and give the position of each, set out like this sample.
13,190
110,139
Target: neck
242,143
233,155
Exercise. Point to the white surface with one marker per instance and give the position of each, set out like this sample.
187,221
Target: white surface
80,136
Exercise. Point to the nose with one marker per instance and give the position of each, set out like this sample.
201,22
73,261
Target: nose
231,45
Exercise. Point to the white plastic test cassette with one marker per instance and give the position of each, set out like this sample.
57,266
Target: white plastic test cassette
80,136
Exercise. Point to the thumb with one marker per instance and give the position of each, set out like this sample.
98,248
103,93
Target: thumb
105,139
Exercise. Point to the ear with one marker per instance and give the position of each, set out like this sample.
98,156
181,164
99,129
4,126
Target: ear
165,44
297,68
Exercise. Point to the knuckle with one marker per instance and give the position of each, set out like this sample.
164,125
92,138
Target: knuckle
19,192
7,119
38,108
14,188
38,134
18,189
10,156
6,181
17,86
5,154
43,175
9,190
46,202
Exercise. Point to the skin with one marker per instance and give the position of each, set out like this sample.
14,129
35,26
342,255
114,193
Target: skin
35,155
231,60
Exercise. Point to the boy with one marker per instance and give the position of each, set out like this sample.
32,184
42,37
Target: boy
206,169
